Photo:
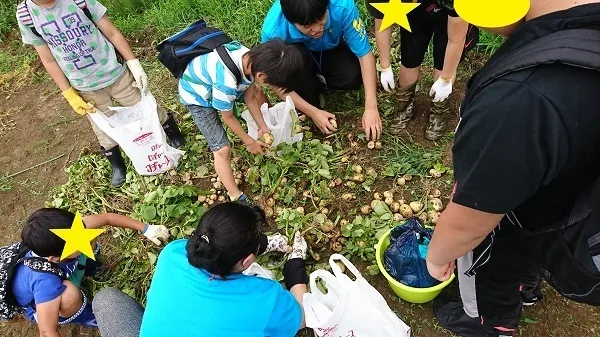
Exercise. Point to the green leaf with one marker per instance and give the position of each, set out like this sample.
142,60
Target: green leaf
152,258
380,208
358,233
528,320
373,269
148,213
202,171
324,173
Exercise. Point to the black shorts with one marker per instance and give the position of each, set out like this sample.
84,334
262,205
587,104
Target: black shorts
426,22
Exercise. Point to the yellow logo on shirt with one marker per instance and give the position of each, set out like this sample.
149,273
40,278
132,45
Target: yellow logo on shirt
360,27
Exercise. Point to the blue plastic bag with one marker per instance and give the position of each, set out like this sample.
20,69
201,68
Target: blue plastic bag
404,259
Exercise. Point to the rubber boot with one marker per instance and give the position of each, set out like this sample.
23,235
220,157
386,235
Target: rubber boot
437,119
406,98
118,165
172,131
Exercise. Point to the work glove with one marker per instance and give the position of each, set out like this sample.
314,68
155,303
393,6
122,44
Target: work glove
141,79
387,79
299,247
277,243
156,233
441,89
76,102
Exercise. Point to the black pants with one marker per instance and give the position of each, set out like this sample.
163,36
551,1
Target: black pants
491,276
339,66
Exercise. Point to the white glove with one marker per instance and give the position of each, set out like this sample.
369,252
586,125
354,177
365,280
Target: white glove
299,247
277,243
441,89
156,233
387,79
141,79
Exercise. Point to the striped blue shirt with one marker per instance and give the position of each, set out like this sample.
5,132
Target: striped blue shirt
207,81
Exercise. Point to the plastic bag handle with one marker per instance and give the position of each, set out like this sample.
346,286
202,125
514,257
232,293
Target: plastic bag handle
330,282
349,266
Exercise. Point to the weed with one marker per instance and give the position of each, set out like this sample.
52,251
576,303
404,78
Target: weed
6,184
406,157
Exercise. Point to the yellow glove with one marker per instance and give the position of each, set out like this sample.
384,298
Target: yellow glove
76,102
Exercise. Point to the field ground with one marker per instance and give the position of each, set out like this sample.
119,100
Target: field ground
37,126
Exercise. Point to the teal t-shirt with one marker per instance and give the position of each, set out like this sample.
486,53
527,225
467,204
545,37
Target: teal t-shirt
343,22
187,301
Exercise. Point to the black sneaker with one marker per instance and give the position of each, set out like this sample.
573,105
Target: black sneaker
452,316
531,295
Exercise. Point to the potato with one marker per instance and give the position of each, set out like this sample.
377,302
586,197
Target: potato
388,194
353,144
343,222
357,169
267,138
416,206
377,196
284,180
378,146
435,173
371,171
344,159
437,204
205,205
269,212
213,190
398,217
435,193
238,181
366,209
395,207
406,211
336,247
213,180
218,185
359,178
325,211
350,184
423,217
389,201
333,123
407,177
401,181
371,145
402,201
202,198
270,202
221,198
210,202
347,197
300,210
279,211
327,226
213,197
332,184
338,181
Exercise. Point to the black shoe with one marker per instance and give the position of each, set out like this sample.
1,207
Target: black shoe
452,316
172,131
118,165
531,295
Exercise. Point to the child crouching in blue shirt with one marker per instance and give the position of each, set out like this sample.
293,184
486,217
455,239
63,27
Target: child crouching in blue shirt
208,89
46,297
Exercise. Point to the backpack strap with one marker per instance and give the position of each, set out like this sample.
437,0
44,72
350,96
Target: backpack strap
574,47
226,58
44,266
25,15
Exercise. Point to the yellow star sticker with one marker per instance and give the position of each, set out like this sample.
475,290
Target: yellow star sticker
77,238
395,11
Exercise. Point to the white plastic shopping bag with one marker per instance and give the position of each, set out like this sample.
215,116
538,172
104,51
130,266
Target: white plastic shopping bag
139,133
281,119
256,269
350,308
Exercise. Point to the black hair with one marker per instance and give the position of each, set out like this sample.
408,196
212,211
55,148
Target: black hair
281,62
36,234
226,234
304,12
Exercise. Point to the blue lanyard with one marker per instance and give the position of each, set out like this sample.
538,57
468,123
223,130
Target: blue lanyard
320,53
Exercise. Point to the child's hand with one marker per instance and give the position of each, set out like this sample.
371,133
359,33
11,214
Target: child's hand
156,233
256,146
277,243
262,131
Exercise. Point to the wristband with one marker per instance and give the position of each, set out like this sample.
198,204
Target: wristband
294,272
262,246
146,229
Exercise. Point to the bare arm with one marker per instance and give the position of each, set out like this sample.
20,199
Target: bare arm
114,220
458,231
320,117
371,121
384,44
457,34
235,126
52,67
298,291
115,37
47,317
254,98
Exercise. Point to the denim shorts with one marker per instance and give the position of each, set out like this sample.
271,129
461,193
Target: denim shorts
207,120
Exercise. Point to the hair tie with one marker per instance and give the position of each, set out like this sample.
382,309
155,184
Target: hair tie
205,238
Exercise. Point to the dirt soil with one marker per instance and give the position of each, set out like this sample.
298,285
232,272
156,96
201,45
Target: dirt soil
37,125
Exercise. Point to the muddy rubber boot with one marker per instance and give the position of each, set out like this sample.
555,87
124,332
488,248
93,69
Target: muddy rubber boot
118,165
437,119
172,131
406,98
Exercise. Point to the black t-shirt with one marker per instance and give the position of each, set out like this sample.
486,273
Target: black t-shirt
529,142
428,9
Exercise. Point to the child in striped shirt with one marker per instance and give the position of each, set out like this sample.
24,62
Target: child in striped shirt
208,89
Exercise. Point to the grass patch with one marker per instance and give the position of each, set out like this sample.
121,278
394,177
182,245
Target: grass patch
8,18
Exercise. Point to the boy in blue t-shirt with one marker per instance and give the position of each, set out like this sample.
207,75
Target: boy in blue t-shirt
209,91
46,298
333,39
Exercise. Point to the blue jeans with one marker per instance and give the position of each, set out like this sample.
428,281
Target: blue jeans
117,314
207,120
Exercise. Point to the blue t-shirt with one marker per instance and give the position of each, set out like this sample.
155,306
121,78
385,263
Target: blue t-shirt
343,21
31,286
187,301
